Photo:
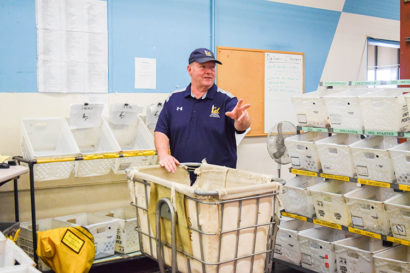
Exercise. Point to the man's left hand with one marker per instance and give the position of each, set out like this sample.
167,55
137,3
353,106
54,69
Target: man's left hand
240,116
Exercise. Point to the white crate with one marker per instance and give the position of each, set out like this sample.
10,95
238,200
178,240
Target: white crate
10,254
48,138
317,250
19,269
385,110
2,236
103,229
95,140
287,245
394,260
398,210
329,202
366,207
335,154
302,151
295,189
400,156
310,109
127,236
354,255
372,159
343,108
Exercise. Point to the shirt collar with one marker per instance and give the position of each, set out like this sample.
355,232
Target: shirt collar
210,94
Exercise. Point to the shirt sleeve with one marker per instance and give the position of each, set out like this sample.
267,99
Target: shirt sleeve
163,120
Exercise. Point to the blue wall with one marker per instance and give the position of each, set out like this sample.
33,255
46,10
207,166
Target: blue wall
169,29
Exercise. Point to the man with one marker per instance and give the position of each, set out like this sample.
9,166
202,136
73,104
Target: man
200,121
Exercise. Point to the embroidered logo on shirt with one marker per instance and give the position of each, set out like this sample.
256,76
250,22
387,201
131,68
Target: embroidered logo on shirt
179,108
215,112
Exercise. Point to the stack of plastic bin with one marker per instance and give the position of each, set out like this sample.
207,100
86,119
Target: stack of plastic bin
287,244
335,154
356,254
329,202
394,260
366,207
133,137
302,151
400,156
398,210
310,109
372,159
385,110
295,189
48,138
11,255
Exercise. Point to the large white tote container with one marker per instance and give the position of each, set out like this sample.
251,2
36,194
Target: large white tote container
398,210
48,138
329,202
355,255
372,159
393,260
335,154
287,243
11,254
310,109
317,249
367,208
400,156
296,189
302,150
385,110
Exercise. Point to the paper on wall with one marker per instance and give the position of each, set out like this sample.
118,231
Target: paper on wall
145,73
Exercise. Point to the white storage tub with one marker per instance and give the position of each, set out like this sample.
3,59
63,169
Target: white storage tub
335,154
354,255
11,254
103,229
385,110
343,108
19,269
310,109
302,151
372,159
228,231
295,189
48,138
317,249
398,210
127,236
329,202
95,140
367,210
133,137
287,244
400,156
394,260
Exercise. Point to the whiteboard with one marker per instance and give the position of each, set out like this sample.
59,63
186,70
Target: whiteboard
284,78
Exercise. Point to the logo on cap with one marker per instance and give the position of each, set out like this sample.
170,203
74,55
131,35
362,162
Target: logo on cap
208,53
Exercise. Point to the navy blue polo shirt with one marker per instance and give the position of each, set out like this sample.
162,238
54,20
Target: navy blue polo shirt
198,128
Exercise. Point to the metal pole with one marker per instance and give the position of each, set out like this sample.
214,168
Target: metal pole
16,200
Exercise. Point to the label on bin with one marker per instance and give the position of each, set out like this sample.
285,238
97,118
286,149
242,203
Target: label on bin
327,224
381,133
72,241
373,183
295,216
406,134
365,233
398,241
336,177
314,129
348,131
364,83
303,172
404,187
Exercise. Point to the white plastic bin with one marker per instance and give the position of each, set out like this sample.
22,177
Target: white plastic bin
317,249
48,138
385,110
19,269
343,108
355,255
295,189
133,137
11,254
366,207
372,159
400,156
103,229
393,260
127,236
398,210
302,151
287,244
329,202
95,140
335,154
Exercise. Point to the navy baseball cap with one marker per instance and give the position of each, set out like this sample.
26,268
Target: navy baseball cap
202,55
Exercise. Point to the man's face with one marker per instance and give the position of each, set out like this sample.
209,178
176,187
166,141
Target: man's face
202,75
